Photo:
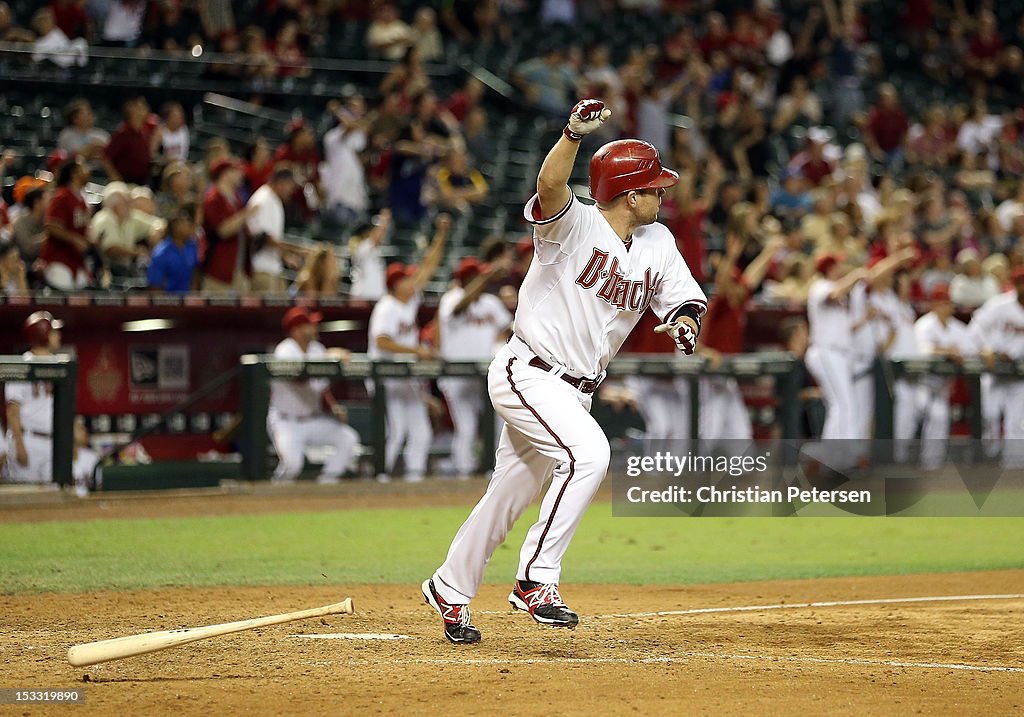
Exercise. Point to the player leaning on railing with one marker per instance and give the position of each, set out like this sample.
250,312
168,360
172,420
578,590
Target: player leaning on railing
596,269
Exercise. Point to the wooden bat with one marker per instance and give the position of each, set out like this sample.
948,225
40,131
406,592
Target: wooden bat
92,653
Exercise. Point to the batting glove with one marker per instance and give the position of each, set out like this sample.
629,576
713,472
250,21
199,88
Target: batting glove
682,333
586,117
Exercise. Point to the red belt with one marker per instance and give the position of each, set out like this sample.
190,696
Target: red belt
583,385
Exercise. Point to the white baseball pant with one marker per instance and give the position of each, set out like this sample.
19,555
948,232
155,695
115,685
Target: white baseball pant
723,413
833,373
933,400
40,459
1013,431
408,425
664,404
290,437
549,432
905,417
464,399
993,408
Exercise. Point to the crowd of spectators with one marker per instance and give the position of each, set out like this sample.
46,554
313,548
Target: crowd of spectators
781,124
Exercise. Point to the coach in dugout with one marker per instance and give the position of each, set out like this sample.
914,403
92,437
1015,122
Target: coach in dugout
297,417
30,409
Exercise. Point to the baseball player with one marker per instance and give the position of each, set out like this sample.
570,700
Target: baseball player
596,269
723,413
296,418
470,323
393,333
829,359
998,326
368,270
939,333
30,408
891,302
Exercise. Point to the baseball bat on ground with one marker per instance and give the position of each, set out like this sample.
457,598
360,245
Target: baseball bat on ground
92,653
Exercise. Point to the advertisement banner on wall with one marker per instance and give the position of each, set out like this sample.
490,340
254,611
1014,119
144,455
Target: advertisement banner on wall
119,378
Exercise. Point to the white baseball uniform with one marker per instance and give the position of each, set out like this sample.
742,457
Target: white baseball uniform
984,333
296,420
935,336
467,336
35,404
1002,328
898,316
368,272
828,359
584,292
864,351
406,408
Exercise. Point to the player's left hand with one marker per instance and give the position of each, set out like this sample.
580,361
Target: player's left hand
682,332
587,116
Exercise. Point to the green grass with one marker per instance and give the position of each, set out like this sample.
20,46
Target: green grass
403,546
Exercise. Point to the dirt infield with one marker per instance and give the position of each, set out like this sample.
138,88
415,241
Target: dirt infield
939,657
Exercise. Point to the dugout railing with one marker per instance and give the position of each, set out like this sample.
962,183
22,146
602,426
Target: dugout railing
970,368
258,370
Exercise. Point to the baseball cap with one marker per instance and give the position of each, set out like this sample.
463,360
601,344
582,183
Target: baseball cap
825,263
299,316
115,187
44,316
222,164
25,185
468,269
396,272
940,293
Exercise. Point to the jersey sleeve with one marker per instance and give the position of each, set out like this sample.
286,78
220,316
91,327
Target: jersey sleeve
503,313
924,336
679,293
382,322
18,392
446,307
818,292
980,329
288,349
566,228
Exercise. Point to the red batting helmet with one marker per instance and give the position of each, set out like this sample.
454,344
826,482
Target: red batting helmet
38,327
625,165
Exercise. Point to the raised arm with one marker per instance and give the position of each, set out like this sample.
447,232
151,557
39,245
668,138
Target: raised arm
758,268
553,179
891,263
381,230
435,252
844,286
476,287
